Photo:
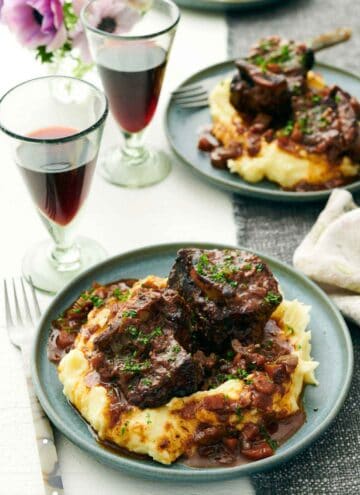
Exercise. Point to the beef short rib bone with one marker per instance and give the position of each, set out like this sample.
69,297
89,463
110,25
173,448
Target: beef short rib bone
274,71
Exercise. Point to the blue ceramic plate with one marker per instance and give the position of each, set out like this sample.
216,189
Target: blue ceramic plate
183,126
227,4
331,347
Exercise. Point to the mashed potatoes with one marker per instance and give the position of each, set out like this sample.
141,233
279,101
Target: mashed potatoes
272,162
164,433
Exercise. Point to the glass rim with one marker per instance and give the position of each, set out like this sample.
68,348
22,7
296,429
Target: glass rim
64,139
130,37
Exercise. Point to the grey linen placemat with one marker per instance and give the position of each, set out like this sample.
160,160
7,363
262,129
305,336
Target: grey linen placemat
332,464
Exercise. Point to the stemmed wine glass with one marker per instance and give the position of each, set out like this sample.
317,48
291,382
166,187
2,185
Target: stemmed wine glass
131,65
55,126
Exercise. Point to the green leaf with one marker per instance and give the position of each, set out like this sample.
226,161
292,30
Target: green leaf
70,18
44,56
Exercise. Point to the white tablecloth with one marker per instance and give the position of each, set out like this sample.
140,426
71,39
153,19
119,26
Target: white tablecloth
182,208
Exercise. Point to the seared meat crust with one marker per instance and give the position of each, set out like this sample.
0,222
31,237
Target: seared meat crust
145,349
231,294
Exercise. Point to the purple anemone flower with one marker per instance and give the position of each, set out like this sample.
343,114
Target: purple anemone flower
36,22
112,16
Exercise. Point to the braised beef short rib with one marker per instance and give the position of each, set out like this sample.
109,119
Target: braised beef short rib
231,294
145,349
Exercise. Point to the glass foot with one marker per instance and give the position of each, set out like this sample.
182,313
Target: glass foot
39,265
124,171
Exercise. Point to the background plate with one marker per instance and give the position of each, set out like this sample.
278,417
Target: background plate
183,126
228,4
331,347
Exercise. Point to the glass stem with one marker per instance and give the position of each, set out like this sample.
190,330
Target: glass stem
133,148
65,254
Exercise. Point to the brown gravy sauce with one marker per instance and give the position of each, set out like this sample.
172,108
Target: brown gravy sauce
286,428
280,432
219,156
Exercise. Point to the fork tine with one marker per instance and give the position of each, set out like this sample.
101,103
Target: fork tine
195,103
35,299
9,321
17,307
187,96
185,89
26,304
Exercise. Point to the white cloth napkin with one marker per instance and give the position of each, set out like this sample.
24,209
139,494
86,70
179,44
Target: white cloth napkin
330,253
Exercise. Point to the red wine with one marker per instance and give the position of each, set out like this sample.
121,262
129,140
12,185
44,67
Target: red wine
58,186
132,79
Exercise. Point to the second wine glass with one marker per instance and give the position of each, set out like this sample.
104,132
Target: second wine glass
131,48
55,125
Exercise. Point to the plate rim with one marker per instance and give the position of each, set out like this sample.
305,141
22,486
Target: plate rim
154,471
250,189
232,5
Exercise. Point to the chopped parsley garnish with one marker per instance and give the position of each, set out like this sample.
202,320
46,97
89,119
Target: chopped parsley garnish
285,54
148,419
146,381
316,99
141,337
324,122
124,427
217,272
230,355
218,277
176,349
133,331
290,330
135,367
288,129
260,267
299,347
271,442
337,98
247,267
261,62
265,45
202,264
272,298
280,56
303,124
97,301
296,89
242,373
239,413
121,295
268,344
131,313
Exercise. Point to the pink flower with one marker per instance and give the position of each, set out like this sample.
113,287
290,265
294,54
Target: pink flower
36,22
78,5
111,16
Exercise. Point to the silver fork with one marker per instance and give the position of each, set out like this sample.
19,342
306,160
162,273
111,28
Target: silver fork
20,325
191,96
